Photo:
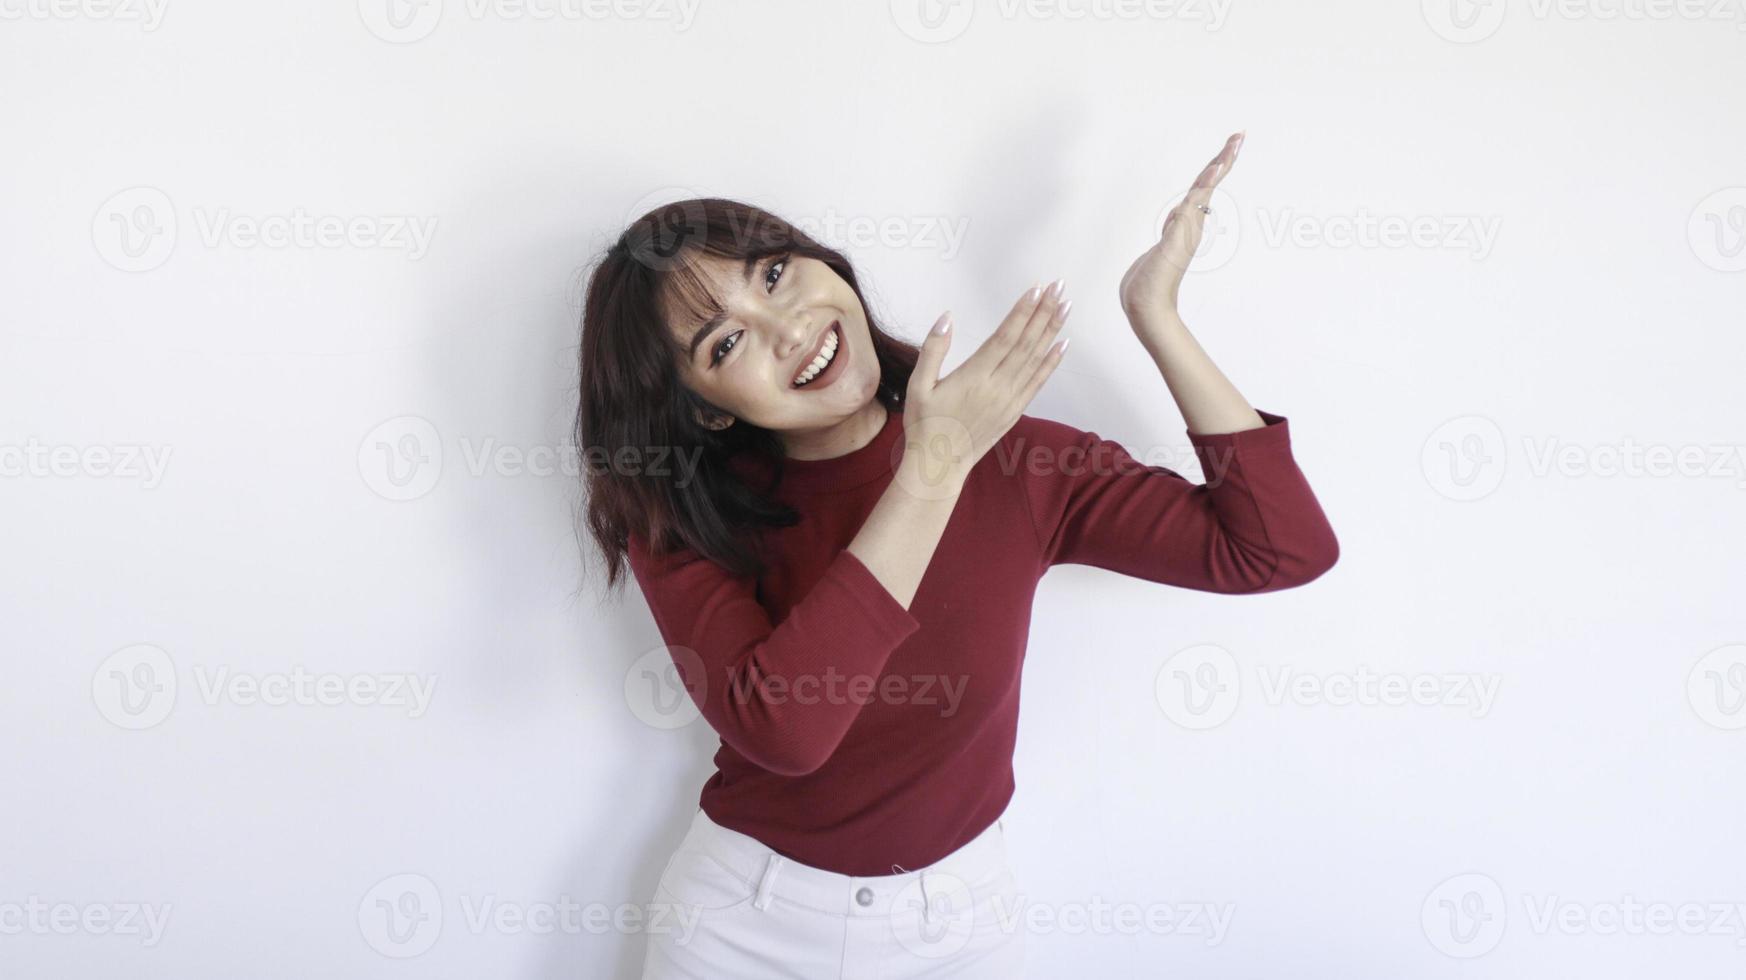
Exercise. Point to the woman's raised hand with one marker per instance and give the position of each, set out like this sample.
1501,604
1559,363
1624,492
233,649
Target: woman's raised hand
1150,287
949,423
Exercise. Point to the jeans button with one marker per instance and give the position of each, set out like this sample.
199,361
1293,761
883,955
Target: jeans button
864,897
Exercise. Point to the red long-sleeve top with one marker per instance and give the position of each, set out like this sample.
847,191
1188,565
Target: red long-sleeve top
856,734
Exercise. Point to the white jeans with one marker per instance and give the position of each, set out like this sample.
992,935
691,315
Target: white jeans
729,907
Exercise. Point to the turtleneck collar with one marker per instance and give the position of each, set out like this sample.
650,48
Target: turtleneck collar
854,468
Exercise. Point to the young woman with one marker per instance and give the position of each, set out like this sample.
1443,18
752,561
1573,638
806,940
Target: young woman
843,571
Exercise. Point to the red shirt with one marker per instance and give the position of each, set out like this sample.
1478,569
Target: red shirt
883,736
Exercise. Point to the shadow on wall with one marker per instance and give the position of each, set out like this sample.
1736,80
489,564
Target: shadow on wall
1049,218
501,369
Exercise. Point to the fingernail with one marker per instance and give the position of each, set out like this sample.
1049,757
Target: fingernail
1066,308
1057,287
943,325
1035,291
1064,344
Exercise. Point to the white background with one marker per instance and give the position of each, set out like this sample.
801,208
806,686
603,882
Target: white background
1430,388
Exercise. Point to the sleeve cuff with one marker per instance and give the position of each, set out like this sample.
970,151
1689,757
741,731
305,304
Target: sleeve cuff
885,614
1273,433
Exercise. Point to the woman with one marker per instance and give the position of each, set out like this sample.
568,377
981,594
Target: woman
843,571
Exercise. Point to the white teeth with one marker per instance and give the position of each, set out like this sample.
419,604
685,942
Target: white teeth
819,363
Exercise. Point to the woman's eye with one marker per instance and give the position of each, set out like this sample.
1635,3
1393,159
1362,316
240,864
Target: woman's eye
724,348
729,342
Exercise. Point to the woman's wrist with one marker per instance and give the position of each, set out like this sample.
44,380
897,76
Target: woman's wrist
928,478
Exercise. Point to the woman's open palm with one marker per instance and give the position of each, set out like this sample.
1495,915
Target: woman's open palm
951,422
1151,284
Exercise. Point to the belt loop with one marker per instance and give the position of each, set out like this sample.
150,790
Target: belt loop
767,881
922,877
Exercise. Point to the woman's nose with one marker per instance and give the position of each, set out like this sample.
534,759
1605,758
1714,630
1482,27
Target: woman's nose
793,333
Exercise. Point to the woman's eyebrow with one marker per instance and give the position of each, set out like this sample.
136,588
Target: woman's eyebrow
710,324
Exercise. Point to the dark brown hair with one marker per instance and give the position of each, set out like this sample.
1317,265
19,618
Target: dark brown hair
631,399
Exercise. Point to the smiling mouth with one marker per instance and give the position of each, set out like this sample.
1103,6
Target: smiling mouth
828,350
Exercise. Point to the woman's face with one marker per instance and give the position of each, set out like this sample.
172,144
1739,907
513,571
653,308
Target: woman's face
780,319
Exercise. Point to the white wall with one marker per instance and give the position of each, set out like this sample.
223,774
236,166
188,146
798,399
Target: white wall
1578,289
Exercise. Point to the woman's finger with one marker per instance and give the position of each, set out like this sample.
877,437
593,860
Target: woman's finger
933,353
1200,193
1020,351
1045,367
1037,346
993,350
1208,180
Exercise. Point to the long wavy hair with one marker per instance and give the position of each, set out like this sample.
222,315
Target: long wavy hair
631,399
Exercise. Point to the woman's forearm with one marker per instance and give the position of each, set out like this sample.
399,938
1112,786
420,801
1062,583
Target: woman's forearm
898,539
1209,403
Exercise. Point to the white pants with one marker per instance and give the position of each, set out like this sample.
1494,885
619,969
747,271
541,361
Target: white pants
729,907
